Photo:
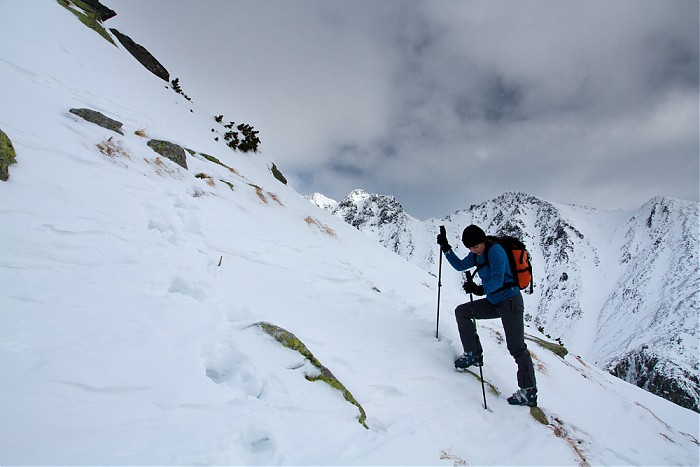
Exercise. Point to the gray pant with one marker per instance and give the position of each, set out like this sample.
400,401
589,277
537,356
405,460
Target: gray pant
511,312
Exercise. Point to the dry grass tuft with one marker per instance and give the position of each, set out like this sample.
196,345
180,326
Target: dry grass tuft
113,149
275,198
260,193
162,169
206,178
321,226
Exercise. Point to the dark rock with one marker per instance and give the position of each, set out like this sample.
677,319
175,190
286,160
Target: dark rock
98,118
659,376
277,174
170,151
7,156
100,10
88,17
143,56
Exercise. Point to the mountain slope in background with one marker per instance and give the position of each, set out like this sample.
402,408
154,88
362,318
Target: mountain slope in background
134,295
619,288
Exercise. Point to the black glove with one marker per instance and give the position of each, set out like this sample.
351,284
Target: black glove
442,240
471,287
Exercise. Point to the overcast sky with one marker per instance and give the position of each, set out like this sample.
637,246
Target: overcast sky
445,103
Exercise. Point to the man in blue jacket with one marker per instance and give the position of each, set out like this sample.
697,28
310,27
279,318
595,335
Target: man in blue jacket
503,300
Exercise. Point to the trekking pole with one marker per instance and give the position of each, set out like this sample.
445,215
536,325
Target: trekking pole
470,278
437,325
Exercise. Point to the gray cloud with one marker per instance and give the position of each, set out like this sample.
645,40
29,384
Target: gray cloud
448,103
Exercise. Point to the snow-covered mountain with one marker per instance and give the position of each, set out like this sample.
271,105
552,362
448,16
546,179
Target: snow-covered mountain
619,288
191,311
323,202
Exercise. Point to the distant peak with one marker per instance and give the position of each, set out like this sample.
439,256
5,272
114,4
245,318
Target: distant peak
358,193
322,201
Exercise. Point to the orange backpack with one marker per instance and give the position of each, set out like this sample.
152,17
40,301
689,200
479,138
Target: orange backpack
518,258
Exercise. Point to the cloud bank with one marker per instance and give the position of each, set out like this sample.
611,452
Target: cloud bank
448,103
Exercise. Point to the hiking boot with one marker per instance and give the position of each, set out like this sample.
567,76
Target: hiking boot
468,359
524,396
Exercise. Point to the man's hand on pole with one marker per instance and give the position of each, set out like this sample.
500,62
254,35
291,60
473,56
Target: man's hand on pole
442,240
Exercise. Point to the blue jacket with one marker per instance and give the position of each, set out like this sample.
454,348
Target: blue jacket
493,276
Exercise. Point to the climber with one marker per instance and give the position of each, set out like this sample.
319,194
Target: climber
503,300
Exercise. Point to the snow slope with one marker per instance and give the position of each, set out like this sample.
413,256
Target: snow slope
620,288
129,290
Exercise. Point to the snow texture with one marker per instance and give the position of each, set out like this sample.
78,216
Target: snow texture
130,286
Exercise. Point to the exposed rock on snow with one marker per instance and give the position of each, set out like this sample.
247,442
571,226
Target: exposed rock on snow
98,118
291,341
8,156
170,151
141,54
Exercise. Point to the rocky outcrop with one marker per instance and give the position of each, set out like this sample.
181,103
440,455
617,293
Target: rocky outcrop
360,208
103,12
170,151
291,341
277,174
7,156
88,16
381,217
98,118
659,376
142,55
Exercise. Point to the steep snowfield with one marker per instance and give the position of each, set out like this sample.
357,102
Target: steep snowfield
619,288
129,289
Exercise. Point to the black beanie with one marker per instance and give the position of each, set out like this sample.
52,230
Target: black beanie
472,236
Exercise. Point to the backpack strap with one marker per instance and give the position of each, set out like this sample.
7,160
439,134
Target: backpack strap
489,244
